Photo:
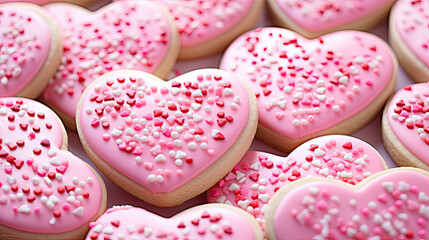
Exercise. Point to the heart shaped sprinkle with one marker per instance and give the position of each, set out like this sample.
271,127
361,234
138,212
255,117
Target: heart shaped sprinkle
43,188
129,34
255,179
307,88
167,135
392,204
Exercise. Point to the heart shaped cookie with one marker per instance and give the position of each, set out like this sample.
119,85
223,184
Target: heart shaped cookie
41,2
408,35
405,126
392,204
129,34
308,88
45,191
166,142
207,27
315,18
210,221
30,50
255,179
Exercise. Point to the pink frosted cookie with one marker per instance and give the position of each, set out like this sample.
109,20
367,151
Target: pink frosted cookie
129,34
166,142
405,126
315,18
308,88
409,37
207,27
252,183
45,191
41,2
210,221
392,204
30,49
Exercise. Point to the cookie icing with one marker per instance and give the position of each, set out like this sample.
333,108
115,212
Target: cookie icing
43,189
255,179
129,34
408,117
307,86
322,15
412,23
163,134
200,21
210,222
25,42
393,205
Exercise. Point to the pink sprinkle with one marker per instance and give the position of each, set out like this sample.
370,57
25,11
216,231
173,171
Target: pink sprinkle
365,212
210,152
148,165
106,137
15,208
47,191
66,206
8,170
167,173
125,114
179,172
36,209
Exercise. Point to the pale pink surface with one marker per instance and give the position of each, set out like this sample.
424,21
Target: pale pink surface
134,34
412,23
371,133
209,222
25,42
200,21
293,77
408,117
359,214
258,175
321,15
32,211
154,150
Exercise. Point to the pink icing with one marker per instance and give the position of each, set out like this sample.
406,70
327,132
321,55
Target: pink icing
210,222
201,21
412,23
253,182
408,117
120,35
322,15
25,42
42,188
160,134
307,86
391,206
